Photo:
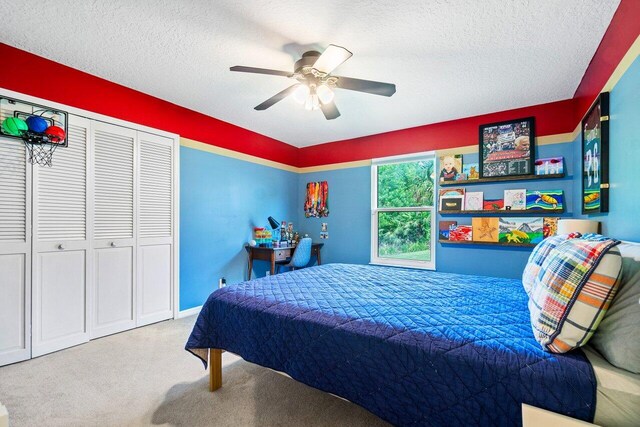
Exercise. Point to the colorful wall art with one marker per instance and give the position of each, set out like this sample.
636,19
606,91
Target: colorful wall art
485,229
461,233
493,204
550,227
444,227
317,203
520,230
545,200
507,148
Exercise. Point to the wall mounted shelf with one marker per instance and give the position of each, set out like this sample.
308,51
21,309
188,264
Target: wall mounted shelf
499,179
505,212
467,242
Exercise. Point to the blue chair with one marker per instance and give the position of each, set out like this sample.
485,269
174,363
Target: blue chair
301,255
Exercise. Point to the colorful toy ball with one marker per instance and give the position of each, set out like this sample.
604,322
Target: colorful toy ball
14,126
37,124
55,133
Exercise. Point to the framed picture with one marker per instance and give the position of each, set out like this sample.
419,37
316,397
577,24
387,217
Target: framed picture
507,148
595,157
550,166
451,199
450,167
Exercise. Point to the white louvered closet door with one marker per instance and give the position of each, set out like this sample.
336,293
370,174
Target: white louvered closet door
114,227
15,252
155,228
61,245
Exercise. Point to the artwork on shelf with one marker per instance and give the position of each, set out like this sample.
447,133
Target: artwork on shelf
473,200
515,200
545,200
550,166
461,233
485,229
452,199
520,230
507,148
444,227
471,170
595,157
550,227
451,166
493,204
317,203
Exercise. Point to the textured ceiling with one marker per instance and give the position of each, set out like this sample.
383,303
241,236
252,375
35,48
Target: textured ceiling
448,58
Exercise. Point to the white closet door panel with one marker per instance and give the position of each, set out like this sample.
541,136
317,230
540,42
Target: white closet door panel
62,191
154,283
156,186
13,191
15,249
61,245
114,296
13,322
113,182
59,301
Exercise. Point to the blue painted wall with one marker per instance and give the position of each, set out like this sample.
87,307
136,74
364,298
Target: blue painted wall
621,221
349,220
221,200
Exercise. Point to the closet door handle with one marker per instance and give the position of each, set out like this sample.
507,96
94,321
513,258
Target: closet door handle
112,244
61,246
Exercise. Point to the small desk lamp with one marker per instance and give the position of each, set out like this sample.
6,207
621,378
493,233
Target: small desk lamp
275,226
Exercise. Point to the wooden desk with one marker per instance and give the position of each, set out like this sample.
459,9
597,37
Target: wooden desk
274,255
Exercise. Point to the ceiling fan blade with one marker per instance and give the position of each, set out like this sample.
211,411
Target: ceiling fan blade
330,110
368,86
331,58
277,97
243,69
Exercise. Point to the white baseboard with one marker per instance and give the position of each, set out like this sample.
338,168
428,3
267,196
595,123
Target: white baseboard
188,312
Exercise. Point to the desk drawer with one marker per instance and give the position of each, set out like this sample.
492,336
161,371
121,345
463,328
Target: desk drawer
282,254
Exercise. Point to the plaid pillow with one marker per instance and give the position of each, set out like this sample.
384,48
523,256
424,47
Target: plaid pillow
538,256
570,296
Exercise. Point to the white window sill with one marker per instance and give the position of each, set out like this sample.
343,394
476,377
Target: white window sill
395,264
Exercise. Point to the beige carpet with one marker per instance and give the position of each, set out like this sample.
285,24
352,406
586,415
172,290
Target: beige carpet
144,377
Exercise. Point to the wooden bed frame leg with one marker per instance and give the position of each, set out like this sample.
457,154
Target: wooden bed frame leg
215,369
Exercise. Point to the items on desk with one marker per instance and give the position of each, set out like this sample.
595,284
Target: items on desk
262,237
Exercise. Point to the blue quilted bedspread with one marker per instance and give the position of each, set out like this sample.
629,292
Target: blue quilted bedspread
413,347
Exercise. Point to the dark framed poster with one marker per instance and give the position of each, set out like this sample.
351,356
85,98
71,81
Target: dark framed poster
595,157
507,148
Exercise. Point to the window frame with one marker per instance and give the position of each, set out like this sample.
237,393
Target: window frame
395,262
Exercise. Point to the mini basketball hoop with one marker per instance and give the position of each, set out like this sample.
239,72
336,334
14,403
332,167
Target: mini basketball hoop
42,129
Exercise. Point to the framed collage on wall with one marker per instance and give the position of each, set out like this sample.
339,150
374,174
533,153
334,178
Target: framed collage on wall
595,157
507,148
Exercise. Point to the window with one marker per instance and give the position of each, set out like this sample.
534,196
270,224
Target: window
402,200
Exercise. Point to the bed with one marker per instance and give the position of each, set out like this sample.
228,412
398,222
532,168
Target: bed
413,347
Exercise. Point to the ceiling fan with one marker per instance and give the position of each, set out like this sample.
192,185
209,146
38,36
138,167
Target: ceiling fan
315,85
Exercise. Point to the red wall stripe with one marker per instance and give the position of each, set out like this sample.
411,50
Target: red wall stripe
37,76
623,31
551,119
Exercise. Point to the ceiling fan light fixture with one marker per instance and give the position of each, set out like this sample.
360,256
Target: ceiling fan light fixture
301,94
325,94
